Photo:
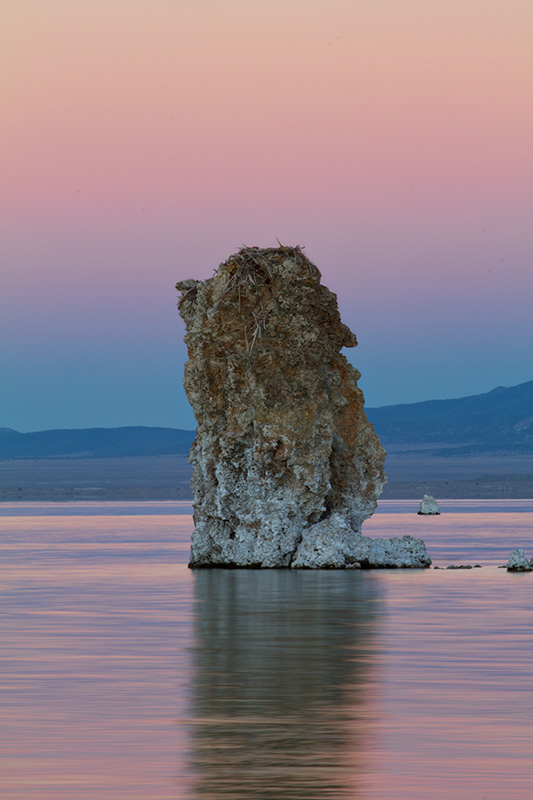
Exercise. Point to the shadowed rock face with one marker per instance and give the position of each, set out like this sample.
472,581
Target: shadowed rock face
286,465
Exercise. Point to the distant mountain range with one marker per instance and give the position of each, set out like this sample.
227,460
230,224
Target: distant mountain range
500,420
95,443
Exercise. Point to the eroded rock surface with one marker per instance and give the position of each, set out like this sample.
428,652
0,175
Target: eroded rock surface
286,465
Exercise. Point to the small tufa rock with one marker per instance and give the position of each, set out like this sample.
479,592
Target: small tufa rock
518,562
428,506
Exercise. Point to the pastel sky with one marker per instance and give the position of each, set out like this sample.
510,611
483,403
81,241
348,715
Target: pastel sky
145,140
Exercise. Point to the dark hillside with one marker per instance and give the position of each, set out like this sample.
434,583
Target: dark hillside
95,443
498,420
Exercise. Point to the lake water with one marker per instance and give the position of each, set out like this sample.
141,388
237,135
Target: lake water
126,675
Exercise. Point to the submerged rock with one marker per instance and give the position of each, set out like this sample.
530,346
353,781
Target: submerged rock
429,505
518,562
286,465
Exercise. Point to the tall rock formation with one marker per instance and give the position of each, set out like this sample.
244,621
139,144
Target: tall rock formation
286,466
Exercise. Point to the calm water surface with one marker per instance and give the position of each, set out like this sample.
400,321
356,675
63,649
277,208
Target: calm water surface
126,675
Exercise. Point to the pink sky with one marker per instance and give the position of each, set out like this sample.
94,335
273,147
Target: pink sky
146,140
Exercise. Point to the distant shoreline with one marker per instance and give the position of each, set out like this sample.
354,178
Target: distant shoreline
490,477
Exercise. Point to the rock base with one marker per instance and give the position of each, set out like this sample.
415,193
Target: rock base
330,544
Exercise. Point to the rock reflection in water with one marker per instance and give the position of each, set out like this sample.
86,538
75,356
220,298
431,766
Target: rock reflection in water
281,660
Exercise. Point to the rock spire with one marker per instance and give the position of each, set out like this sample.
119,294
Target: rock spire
286,465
